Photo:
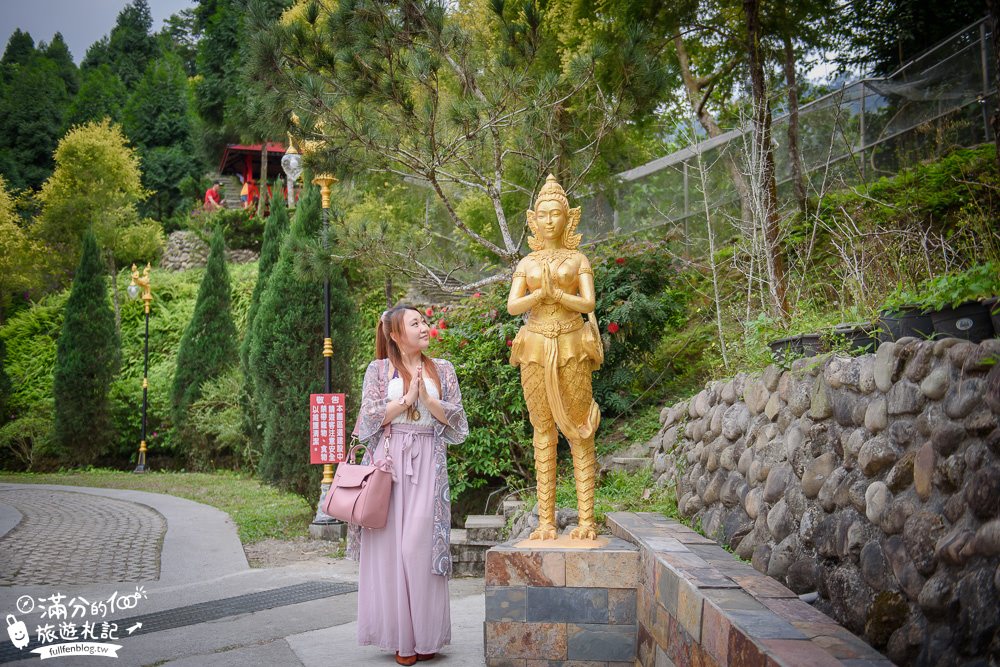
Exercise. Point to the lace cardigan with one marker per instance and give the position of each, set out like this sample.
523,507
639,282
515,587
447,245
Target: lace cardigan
370,431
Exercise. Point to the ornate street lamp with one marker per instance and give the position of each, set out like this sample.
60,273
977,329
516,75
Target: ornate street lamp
324,181
147,298
291,163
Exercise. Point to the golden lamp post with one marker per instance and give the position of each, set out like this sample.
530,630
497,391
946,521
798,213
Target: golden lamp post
142,282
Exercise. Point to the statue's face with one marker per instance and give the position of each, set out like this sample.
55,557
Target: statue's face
551,218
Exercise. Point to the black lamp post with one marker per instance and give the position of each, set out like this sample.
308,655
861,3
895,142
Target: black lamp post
324,181
142,282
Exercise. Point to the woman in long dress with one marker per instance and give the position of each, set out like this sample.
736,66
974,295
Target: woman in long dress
411,409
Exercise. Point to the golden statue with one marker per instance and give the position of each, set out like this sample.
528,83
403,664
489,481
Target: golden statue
557,350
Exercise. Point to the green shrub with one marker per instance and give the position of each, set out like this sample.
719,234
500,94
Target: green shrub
498,449
950,290
87,358
215,422
21,439
243,229
5,385
208,347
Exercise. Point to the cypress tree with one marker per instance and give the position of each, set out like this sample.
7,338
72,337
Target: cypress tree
87,357
286,356
208,346
270,250
274,234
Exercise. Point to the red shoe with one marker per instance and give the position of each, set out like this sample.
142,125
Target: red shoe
425,656
405,660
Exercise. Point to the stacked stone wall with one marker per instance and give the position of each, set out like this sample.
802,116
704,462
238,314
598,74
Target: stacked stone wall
873,481
186,251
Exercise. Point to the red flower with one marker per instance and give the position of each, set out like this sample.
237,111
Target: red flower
613,328
620,260
441,325
429,312
434,333
509,342
476,295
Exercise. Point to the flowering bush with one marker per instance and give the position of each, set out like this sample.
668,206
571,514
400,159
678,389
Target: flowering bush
638,298
498,449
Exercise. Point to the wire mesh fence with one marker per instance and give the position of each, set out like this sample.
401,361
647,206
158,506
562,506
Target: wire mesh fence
868,129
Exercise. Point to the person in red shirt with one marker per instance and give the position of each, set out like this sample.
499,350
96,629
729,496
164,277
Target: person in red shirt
213,198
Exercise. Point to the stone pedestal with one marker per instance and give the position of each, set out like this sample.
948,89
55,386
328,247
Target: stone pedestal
328,531
561,605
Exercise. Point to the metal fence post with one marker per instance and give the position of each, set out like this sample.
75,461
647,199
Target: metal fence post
984,60
861,147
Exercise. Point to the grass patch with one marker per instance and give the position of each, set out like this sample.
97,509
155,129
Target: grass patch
259,511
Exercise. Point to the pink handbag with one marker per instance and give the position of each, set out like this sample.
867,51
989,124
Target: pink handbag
360,493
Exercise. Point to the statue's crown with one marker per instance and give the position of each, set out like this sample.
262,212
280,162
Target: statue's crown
552,191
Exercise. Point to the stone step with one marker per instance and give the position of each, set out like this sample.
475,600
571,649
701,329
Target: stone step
630,464
468,559
512,507
485,527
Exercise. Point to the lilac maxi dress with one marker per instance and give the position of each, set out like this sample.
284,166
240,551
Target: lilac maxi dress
403,602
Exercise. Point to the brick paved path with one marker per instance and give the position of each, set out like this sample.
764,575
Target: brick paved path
79,538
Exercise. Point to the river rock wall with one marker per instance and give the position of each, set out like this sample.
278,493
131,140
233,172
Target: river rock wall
186,251
873,481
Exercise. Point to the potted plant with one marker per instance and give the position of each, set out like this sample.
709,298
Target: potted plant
853,337
994,308
902,315
784,350
956,302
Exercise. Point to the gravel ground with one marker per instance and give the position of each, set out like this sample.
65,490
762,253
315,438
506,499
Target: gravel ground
276,553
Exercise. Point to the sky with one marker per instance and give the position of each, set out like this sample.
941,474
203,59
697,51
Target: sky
81,22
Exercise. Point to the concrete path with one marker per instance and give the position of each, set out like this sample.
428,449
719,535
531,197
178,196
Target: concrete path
86,543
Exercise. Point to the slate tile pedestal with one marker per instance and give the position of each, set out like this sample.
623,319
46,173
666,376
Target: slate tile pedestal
549,605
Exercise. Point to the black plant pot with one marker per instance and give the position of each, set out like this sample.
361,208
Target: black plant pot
861,337
902,322
970,321
994,307
812,344
785,349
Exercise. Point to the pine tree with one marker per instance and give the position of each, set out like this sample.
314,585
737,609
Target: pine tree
32,103
130,45
20,49
286,356
87,358
101,96
59,54
274,235
208,346
156,119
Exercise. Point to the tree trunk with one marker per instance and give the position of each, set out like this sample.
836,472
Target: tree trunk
707,121
994,18
762,140
794,155
262,181
388,292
